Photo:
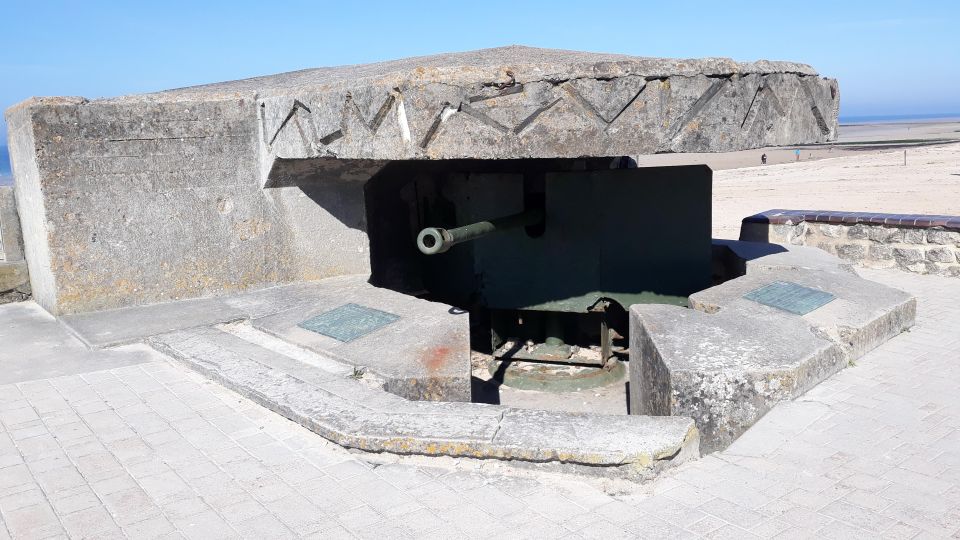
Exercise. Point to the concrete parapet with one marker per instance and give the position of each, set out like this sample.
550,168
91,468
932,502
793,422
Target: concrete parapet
729,359
352,414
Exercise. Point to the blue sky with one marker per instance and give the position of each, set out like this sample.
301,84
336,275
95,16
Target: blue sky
890,57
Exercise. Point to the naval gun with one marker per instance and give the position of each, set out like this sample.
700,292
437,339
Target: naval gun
545,256
433,240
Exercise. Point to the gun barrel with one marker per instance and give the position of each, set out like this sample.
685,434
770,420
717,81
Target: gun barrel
433,240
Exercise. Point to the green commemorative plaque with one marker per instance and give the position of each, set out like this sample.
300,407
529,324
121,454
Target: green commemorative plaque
790,297
348,322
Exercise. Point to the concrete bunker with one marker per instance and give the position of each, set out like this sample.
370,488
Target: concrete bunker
273,190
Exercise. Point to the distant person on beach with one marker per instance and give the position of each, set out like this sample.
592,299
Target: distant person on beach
797,153
763,159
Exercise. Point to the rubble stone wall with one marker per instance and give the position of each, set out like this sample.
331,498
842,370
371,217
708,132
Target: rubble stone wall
912,243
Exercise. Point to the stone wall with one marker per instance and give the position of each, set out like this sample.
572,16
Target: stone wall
912,243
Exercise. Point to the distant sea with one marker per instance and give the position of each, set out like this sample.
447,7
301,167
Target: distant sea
6,177
898,118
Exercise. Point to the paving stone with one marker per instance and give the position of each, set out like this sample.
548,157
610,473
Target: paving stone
28,497
264,527
75,500
130,505
35,521
149,528
204,526
89,522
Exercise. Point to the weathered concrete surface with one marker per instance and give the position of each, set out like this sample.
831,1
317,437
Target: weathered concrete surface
425,355
121,326
734,258
518,102
11,239
863,315
14,278
143,199
14,282
132,205
726,370
34,345
728,360
351,413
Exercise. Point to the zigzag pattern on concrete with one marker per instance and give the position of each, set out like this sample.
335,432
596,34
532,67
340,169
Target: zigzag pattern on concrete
671,130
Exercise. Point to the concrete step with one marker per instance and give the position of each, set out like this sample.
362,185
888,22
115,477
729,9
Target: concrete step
354,414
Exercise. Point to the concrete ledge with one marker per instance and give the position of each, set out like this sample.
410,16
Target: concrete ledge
352,414
424,355
738,258
728,360
863,315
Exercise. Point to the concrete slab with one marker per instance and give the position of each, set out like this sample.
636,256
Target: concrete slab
339,408
112,327
741,257
129,325
423,355
33,345
863,315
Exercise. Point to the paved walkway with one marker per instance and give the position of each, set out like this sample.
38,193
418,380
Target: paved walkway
150,450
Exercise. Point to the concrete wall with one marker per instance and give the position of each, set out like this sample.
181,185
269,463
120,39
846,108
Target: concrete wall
921,250
131,203
14,280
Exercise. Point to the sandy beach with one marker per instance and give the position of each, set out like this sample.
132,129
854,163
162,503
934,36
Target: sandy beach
853,140
871,181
